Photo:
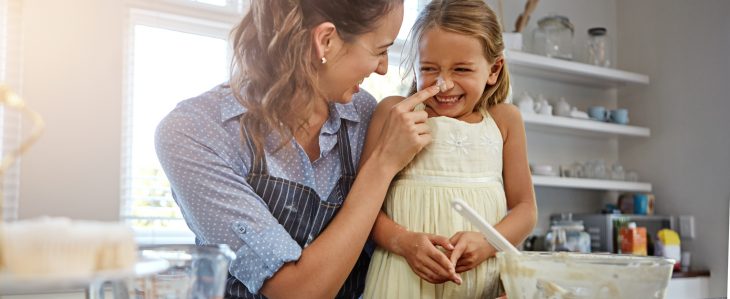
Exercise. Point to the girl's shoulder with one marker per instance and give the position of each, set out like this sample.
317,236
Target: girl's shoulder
507,117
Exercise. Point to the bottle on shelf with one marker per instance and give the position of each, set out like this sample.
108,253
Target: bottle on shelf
599,47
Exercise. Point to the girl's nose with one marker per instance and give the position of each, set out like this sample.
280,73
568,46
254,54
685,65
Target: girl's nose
444,84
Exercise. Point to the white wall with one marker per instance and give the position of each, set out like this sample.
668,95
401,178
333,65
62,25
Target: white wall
73,77
683,46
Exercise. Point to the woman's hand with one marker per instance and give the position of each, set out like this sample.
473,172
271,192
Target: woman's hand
427,261
404,132
470,250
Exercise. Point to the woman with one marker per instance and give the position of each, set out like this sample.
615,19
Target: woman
267,164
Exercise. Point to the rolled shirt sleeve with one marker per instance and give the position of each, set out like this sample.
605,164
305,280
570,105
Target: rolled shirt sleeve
218,204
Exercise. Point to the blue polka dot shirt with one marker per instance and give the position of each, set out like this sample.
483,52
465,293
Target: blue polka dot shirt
200,148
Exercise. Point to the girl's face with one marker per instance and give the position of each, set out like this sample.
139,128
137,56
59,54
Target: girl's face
459,60
352,62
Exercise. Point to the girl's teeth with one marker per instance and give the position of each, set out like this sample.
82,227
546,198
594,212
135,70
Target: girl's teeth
447,99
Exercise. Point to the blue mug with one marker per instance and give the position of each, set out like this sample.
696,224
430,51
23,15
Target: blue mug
598,113
619,116
641,204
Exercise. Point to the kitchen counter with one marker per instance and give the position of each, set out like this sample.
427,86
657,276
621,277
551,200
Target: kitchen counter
689,274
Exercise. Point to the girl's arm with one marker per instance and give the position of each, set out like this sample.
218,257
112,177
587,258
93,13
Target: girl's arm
418,249
334,252
470,247
522,215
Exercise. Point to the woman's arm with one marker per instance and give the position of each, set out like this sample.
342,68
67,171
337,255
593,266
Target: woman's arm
325,264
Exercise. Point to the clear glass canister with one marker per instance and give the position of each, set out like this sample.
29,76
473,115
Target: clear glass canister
599,47
554,37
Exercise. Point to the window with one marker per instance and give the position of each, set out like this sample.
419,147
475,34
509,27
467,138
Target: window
177,49
171,58
10,119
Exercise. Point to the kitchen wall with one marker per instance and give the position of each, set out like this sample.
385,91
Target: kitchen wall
72,76
683,46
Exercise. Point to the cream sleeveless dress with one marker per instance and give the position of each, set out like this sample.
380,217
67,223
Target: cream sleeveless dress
464,160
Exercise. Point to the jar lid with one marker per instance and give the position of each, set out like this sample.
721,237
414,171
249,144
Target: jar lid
556,21
597,31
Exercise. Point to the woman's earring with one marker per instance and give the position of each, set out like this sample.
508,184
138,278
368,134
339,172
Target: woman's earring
324,60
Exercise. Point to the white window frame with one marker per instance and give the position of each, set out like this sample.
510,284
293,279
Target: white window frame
234,6
10,120
171,18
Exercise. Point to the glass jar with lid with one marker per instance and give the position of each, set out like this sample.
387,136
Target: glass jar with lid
553,37
599,47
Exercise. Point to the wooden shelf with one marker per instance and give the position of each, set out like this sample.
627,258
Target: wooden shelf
521,63
576,183
581,126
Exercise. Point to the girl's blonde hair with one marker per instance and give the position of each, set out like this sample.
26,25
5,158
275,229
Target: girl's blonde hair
274,70
472,18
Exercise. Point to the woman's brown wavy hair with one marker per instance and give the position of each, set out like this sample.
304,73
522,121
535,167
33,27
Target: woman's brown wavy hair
274,71
472,18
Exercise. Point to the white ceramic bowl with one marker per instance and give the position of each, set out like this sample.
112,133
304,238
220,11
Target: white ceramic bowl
543,169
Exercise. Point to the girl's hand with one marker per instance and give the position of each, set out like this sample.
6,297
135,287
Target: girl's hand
404,132
427,261
470,250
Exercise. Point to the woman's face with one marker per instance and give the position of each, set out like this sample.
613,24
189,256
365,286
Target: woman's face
352,62
459,60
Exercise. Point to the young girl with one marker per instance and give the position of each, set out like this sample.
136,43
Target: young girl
478,153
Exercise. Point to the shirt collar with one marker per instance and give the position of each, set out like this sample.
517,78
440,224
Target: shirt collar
347,111
230,107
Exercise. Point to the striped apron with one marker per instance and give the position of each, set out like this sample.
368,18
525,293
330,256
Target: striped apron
302,213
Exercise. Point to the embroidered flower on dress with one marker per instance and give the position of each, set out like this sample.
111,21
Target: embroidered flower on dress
458,142
490,143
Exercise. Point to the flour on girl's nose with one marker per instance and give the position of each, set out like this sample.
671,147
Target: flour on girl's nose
441,83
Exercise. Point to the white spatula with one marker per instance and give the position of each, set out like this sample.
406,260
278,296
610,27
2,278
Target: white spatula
493,236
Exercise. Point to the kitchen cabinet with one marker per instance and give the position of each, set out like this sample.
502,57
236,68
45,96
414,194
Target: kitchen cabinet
690,287
578,75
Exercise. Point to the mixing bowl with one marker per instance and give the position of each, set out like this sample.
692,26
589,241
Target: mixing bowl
563,275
